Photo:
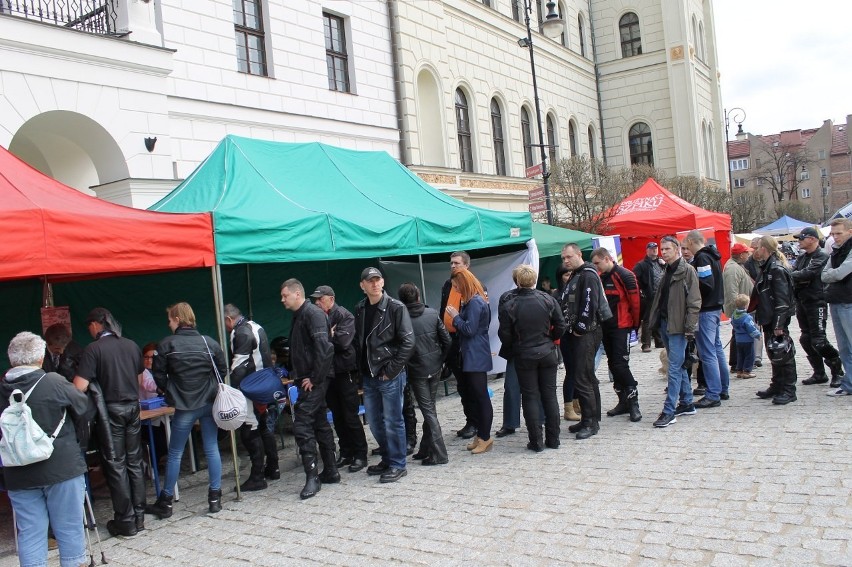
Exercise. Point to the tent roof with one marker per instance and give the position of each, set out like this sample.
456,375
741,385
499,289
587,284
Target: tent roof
282,202
54,230
783,225
654,210
550,239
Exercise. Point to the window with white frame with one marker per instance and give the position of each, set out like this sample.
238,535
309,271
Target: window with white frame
806,193
739,182
823,172
758,181
822,154
805,175
739,164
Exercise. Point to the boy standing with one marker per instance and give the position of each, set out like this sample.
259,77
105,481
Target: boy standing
745,332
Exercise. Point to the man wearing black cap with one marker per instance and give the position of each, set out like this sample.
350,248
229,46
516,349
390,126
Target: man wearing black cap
115,364
384,341
812,309
649,272
342,393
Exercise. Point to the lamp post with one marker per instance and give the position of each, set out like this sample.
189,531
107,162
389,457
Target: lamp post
738,115
826,187
552,27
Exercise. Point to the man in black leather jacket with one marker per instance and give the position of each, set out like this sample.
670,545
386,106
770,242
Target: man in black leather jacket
311,356
649,271
812,309
342,393
384,341
250,353
774,290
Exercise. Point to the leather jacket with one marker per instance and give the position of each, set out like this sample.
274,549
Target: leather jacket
182,368
343,323
807,281
388,339
431,342
250,350
530,322
311,351
774,291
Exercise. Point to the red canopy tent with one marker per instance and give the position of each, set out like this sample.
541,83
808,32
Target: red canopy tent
54,230
653,212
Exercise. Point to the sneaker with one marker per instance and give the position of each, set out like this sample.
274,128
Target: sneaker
685,409
665,420
705,403
838,393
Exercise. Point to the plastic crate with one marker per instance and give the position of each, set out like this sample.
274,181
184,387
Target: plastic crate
153,403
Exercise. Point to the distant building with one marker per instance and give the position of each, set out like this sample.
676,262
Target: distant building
812,166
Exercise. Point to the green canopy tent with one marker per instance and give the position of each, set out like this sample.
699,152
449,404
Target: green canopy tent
550,239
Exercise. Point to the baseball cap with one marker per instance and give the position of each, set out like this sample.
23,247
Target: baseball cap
322,291
739,248
809,231
370,273
651,245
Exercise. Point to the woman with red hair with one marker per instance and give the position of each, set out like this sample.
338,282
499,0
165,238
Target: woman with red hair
471,324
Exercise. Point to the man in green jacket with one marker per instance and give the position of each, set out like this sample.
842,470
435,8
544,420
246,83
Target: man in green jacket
675,313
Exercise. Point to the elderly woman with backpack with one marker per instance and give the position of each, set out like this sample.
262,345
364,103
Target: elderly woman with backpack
50,490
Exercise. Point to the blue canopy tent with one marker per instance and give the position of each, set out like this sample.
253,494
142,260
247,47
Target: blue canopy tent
783,226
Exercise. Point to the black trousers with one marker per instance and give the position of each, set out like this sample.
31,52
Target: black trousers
537,378
463,385
784,375
310,421
260,443
616,344
409,416
812,317
342,400
586,386
124,474
645,331
425,391
478,382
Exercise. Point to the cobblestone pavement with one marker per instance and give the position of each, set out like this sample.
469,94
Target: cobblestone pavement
745,484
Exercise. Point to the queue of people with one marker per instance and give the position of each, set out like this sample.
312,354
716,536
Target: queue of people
675,296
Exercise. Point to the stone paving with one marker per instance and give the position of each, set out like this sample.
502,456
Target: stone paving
745,484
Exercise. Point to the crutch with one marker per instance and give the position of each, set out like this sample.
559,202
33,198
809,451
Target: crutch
91,524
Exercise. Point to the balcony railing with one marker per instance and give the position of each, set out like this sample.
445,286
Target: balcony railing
93,16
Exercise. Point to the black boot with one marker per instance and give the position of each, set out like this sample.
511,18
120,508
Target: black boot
589,428
162,508
633,400
312,482
836,367
535,436
818,377
622,407
214,500
329,474
254,483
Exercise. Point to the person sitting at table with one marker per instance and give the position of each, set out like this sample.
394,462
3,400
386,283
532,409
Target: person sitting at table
147,390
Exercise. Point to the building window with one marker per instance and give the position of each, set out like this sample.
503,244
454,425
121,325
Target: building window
517,10
806,193
738,164
628,29
582,29
823,172
248,29
463,128
739,182
641,147
551,141
591,144
572,138
526,135
499,140
822,154
563,39
487,2
805,175
758,181
336,58
701,52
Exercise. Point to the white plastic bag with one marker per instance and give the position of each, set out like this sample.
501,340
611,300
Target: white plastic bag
229,408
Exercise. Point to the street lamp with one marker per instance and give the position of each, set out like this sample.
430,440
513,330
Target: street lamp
738,115
552,27
826,187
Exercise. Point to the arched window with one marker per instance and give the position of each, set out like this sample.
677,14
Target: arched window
631,40
581,26
591,144
572,138
518,10
701,52
497,136
526,136
695,34
463,129
712,152
563,39
641,145
551,141
706,149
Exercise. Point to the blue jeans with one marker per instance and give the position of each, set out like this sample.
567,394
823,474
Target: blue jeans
383,405
714,362
679,388
745,356
841,315
182,423
62,505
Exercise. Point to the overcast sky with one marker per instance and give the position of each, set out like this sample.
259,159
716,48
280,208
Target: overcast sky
787,63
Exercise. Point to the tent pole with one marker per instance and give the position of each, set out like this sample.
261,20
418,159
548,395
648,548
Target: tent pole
248,292
422,278
220,325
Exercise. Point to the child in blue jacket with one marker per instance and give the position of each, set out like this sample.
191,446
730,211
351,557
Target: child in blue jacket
745,331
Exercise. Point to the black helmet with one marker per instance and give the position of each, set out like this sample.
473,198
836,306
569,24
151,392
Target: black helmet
281,346
781,349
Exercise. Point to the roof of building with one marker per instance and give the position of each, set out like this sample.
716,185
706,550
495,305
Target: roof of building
789,137
839,140
739,149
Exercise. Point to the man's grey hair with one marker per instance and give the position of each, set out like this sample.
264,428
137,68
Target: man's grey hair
695,236
232,311
294,286
465,257
26,349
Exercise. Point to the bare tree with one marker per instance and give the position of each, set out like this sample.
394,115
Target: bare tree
780,167
797,210
749,210
583,193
